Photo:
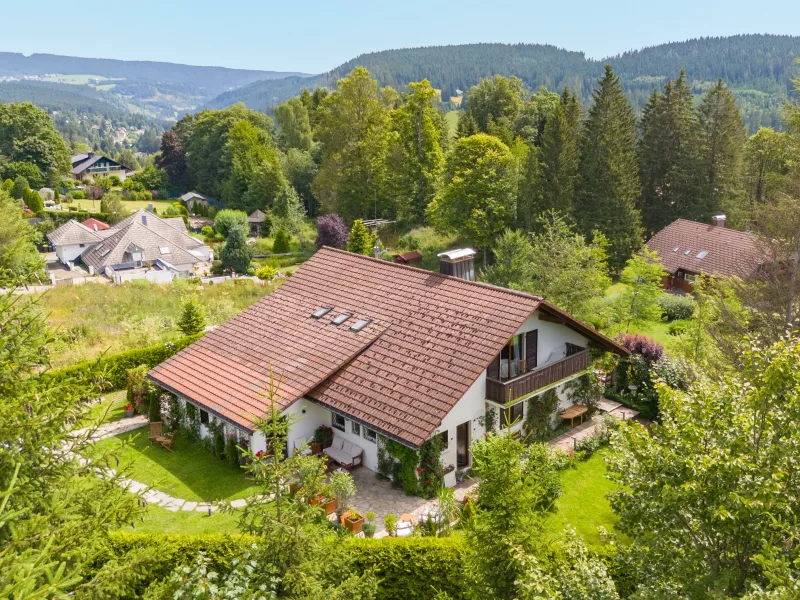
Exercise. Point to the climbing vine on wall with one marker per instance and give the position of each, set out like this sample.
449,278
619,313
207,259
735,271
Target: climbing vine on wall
539,419
404,467
430,470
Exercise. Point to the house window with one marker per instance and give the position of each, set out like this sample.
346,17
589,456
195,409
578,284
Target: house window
370,435
511,363
203,417
445,440
337,422
82,246
355,428
511,415
691,278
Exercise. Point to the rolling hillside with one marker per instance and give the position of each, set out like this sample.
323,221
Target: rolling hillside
757,67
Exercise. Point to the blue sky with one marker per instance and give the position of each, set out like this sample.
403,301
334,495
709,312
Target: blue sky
315,36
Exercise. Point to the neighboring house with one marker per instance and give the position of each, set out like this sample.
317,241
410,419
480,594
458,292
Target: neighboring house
412,259
379,351
197,223
91,164
256,221
193,199
94,224
688,249
136,245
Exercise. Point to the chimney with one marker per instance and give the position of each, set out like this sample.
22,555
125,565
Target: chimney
95,226
150,207
90,155
718,220
144,219
458,263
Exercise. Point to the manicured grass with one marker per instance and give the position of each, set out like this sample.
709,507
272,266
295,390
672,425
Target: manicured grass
161,520
190,472
584,505
131,205
110,409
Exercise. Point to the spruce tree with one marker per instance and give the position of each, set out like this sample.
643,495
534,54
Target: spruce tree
236,254
19,187
608,182
667,153
560,156
193,317
361,241
722,137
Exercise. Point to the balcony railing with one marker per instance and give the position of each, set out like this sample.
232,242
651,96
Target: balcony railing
508,390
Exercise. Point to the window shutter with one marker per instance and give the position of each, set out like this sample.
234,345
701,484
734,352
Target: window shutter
531,349
493,370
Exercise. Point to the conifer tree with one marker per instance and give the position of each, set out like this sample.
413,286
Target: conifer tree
19,187
236,254
722,138
667,153
360,241
193,317
560,156
608,182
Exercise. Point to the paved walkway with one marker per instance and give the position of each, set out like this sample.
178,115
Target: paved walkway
567,441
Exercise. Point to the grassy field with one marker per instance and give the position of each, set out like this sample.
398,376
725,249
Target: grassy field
451,118
161,520
73,79
583,504
132,205
94,318
190,472
110,409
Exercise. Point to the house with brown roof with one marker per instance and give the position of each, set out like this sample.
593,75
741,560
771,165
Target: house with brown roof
94,224
141,244
688,249
382,351
90,164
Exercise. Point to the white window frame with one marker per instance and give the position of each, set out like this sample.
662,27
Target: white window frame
370,435
334,421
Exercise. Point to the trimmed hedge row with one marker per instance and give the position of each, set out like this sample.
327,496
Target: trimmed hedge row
114,369
408,568
59,217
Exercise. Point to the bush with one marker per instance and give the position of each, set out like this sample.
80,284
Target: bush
154,415
332,231
650,349
59,217
676,307
232,453
111,372
266,273
281,243
207,231
77,195
217,268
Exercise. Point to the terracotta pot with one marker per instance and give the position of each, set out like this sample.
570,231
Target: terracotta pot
315,500
316,448
329,504
294,488
354,526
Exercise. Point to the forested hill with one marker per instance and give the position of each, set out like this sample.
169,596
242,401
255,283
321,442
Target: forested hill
757,67
14,64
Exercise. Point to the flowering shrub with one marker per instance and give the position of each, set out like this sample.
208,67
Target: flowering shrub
430,470
641,344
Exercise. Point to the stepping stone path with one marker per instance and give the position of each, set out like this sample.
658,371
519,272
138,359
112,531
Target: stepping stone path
567,441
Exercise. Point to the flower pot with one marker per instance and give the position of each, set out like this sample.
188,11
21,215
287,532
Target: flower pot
353,525
315,500
327,442
129,412
294,488
329,504
316,448
368,529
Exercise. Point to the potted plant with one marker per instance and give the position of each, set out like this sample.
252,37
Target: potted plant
390,524
130,409
369,527
343,489
323,435
352,520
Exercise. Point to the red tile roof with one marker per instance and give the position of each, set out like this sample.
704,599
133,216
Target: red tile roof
430,338
729,252
94,224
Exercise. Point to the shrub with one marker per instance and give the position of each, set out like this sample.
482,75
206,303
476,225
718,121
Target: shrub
140,390
228,220
77,195
232,452
650,349
409,241
676,307
281,243
266,273
193,317
332,231
216,267
207,231
154,415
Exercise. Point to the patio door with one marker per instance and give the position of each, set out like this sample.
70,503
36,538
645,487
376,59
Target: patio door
462,445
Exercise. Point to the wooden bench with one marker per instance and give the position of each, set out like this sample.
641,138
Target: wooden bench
573,412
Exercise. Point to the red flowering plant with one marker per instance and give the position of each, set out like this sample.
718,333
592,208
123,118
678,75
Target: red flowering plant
430,470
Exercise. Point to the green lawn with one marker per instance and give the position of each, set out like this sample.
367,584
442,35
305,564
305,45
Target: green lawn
111,409
583,504
161,520
451,119
190,472
132,205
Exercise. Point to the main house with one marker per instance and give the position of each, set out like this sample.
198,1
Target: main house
90,164
379,350
688,249
142,245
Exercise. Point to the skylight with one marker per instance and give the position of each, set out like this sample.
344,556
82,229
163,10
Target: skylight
321,312
676,248
104,252
702,254
687,253
165,250
360,324
341,318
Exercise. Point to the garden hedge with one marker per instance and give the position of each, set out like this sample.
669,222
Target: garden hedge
113,369
59,217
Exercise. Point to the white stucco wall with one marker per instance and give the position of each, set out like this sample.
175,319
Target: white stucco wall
552,338
70,252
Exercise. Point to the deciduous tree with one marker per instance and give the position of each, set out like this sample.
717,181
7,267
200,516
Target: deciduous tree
294,125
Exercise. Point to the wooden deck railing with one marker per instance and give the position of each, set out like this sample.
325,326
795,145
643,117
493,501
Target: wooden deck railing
503,392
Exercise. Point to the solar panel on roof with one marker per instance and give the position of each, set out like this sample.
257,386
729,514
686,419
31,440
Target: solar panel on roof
360,324
321,312
702,254
341,318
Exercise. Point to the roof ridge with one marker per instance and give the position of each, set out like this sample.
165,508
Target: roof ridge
442,275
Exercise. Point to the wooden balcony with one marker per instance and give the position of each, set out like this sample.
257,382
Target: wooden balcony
505,391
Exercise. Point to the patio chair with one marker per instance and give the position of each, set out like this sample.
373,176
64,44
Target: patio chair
166,442
156,431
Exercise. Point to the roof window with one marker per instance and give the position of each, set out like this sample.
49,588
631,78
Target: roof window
360,324
321,312
339,319
676,248
164,250
687,253
104,252
702,254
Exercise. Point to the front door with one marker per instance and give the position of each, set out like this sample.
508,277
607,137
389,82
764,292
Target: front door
462,445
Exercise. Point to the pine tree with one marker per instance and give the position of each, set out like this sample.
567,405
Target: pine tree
361,241
19,187
193,317
57,196
236,254
667,153
608,182
560,156
280,245
722,137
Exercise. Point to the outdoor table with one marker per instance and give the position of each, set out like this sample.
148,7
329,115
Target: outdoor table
576,410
